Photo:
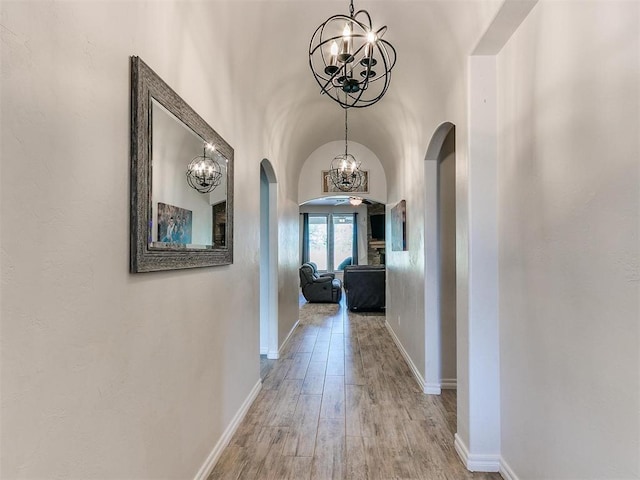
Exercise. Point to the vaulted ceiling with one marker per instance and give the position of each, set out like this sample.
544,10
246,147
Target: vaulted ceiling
269,41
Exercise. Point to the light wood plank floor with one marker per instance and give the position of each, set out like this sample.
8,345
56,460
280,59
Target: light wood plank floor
342,404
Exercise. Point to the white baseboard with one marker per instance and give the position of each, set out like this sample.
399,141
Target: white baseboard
213,457
416,373
436,388
449,384
476,463
278,354
432,388
506,471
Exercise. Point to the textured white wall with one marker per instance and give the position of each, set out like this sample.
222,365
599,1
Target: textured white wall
107,374
569,190
435,98
483,361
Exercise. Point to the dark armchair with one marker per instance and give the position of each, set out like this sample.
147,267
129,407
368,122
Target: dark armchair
317,288
315,270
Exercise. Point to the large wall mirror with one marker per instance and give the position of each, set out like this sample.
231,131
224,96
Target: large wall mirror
181,181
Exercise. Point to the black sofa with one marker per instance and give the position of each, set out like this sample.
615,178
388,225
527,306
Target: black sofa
365,286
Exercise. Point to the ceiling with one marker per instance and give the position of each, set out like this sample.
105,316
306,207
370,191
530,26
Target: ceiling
329,201
334,201
269,66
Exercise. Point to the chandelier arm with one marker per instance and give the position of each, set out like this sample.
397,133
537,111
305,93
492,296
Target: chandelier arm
387,80
331,79
320,30
366,14
380,32
385,53
387,62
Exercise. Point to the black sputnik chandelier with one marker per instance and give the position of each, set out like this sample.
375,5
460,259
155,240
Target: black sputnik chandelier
345,173
204,173
350,61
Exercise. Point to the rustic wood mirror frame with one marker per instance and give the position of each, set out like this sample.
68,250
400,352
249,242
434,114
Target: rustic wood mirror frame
145,86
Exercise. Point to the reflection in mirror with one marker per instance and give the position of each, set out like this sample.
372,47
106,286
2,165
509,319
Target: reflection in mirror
177,221
181,216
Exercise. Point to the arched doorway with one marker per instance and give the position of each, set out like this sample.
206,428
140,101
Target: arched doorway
268,261
440,261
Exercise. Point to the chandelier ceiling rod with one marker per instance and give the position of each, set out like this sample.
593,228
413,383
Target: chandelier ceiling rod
346,131
345,173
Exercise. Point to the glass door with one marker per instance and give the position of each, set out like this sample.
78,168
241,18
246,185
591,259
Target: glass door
319,241
342,240
330,240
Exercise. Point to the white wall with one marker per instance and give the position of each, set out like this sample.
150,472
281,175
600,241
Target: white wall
568,209
436,98
106,374
310,182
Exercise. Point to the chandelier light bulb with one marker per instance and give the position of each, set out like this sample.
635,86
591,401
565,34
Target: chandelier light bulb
332,66
347,44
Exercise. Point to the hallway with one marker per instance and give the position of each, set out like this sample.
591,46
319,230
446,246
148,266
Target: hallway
342,403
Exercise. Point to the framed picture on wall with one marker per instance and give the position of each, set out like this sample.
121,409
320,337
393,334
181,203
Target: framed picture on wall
399,226
174,224
329,187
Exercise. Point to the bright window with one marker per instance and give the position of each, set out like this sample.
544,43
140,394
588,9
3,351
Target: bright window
318,240
342,240
330,240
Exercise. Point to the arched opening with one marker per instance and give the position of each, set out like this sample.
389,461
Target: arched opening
336,232
268,261
440,261
320,199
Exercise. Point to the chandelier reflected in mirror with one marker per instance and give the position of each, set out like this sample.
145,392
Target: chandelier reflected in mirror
204,173
350,61
345,171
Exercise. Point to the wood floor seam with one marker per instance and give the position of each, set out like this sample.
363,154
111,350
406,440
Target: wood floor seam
342,403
